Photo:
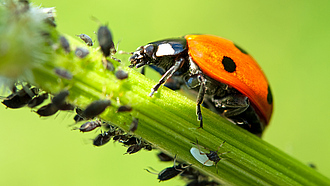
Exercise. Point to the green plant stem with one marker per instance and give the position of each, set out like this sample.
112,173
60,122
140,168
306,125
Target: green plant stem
168,119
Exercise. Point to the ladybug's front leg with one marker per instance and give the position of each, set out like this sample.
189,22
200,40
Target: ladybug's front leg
200,98
178,64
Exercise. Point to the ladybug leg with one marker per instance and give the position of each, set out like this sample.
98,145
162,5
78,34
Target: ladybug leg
178,64
200,98
173,83
233,105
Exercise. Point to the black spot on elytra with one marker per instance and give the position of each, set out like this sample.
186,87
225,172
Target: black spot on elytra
241,49
228,64
269,96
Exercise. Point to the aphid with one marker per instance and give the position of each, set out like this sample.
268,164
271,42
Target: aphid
133,149
105,41
202,158
47,110
164,157
37,100
171,172
120,74
81,52
59,99
137,147
20,98
88,40
312,165
134,125
102,139
95,108
89,126
212,156
131,141
65,44
124,108
63,73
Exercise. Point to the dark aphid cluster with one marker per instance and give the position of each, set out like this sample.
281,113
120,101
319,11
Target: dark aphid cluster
20,97
171,172
33,97
88,40
133,143
141,144
191,175
58,103
91,111
126,139
105,137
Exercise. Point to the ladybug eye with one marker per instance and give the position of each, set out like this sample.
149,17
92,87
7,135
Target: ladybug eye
149,50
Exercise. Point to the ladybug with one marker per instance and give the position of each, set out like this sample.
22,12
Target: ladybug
226,79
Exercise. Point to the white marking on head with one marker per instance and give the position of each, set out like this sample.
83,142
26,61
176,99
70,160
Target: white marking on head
165,50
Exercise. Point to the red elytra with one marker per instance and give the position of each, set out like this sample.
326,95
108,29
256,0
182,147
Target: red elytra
207,52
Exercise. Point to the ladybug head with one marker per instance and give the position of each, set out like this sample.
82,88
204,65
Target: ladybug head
143,55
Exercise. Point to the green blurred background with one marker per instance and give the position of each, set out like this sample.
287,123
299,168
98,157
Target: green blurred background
289,39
